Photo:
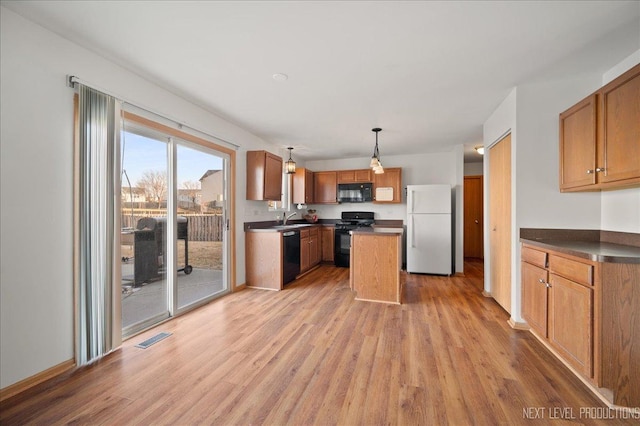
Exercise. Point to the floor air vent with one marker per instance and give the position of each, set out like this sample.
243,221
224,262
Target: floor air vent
152,340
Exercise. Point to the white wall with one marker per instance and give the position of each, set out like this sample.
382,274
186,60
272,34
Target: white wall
531,112
36,124
621,208
473,169
418,169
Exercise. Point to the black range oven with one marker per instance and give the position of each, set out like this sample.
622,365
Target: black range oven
349,222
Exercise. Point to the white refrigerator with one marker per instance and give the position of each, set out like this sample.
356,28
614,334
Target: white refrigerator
429,232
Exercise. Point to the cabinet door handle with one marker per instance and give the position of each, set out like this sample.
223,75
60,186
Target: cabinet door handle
589,171
600,169
541,281
548,285
476,221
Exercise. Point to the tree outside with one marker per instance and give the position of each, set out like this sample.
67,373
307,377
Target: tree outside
191,189
154,184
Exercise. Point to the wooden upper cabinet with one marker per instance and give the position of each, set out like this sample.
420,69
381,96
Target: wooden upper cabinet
619,143
303,186
354,176
578,145
325,187
391,178
600,137
264,176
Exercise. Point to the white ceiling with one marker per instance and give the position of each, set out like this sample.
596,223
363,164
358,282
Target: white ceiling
428,73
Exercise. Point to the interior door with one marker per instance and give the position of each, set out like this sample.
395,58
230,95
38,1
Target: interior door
500,221
473,217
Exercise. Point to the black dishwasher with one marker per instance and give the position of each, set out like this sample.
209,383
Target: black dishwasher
291,261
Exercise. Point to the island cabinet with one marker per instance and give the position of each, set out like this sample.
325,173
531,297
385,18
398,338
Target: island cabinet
264,176
391,178
376,259
309,248
325,187
600,137
327,237
302,186
558,304
354,176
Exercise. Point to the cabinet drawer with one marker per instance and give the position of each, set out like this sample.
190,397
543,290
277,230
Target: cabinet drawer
571,269
314,232
535,257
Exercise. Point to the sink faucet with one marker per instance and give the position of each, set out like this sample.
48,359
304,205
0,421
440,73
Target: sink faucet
286,218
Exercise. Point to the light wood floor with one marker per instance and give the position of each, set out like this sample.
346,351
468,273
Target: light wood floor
313,355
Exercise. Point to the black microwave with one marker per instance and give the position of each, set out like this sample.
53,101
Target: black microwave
355,192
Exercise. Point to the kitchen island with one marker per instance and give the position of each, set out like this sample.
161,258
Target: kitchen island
376,260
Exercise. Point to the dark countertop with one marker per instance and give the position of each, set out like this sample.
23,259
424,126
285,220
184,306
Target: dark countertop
598,246
268,225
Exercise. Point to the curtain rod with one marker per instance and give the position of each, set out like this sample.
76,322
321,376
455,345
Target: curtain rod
72,80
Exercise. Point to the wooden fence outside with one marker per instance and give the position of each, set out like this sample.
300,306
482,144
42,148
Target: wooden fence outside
201,227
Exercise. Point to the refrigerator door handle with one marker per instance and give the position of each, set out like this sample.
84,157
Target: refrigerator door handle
413,229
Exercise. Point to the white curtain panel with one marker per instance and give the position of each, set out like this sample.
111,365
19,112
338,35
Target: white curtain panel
98,271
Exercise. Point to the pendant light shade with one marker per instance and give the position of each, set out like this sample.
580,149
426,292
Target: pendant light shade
290,165
375,163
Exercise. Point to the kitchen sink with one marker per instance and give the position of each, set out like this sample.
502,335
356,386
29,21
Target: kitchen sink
292,226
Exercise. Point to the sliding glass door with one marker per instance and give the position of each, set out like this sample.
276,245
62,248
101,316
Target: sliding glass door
174,233
201,206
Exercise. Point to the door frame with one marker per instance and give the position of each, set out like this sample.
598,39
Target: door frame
229,214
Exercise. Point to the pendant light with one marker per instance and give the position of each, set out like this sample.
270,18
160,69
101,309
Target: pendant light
290,165
375,163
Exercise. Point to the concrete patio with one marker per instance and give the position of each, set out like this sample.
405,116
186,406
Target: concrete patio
149,299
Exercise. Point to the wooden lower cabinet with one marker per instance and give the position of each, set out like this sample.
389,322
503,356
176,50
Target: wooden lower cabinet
310,251
314,247
620,318
534,297
304,250
558,304
327,238
571,322
592,317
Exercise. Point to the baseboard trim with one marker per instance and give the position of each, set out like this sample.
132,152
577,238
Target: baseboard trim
459,274
603,394
518,325
239,287
36,379
486,293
